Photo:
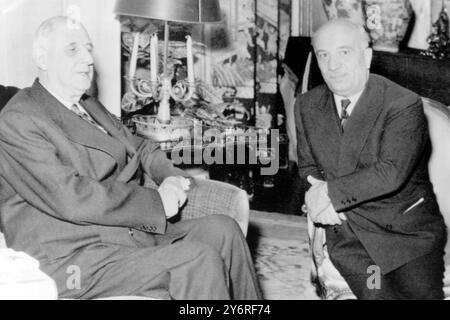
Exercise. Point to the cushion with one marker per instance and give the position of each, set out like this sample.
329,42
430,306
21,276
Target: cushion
21,278
2,241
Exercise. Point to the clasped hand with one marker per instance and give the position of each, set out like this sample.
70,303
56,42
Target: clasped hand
319,206
173,194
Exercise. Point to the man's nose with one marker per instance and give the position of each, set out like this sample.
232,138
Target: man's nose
87,56
333,63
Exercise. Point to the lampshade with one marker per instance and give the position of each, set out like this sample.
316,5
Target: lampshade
188,11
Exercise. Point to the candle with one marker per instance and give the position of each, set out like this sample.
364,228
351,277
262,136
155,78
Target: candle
154,58
134,55
190,60
295,20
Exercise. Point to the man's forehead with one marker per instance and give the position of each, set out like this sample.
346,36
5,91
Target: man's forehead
72,34
328,39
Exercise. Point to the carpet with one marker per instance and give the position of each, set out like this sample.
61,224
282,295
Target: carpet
279,244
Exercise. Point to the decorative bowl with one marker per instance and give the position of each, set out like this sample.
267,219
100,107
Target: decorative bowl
179,129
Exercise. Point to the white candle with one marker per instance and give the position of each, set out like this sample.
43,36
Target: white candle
422,25
190,60
134,56
154,58
295,19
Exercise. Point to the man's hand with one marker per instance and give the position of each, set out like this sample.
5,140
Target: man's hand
316,198
319,206
173,194
329,217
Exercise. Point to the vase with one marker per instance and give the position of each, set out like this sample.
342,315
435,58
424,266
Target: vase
349,9
387,22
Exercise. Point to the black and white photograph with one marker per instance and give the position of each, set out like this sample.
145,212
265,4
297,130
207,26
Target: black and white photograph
206,151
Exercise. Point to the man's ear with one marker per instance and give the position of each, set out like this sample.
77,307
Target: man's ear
40,58
368,54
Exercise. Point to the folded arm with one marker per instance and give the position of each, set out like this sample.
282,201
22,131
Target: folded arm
404,138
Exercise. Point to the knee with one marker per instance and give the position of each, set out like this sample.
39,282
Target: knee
221,229
222,224
207,254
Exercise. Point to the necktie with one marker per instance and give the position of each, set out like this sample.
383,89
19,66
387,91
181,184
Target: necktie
85,116
344,115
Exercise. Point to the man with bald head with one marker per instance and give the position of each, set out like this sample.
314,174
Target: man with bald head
72,184
363,147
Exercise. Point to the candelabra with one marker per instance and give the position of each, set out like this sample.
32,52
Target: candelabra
159,86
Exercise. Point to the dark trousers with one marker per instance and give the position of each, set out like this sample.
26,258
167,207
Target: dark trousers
419,279
211,262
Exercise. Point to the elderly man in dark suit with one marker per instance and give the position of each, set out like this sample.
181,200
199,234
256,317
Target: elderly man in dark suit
363,147
73,195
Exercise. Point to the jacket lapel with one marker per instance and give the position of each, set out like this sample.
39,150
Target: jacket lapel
97,112
327,125
359,125
75,128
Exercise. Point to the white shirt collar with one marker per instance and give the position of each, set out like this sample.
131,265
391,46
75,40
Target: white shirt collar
69,105
353,100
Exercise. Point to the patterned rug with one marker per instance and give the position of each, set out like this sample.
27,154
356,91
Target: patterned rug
279,244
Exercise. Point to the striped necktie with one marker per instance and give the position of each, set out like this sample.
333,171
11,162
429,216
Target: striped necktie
85,116
344,115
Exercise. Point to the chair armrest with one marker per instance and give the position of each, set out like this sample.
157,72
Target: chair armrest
214,197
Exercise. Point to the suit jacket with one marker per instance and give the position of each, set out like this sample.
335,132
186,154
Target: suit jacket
376,170
65,185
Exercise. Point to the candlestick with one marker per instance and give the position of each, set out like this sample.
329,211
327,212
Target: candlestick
159,86
190,61
134,55
154,58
